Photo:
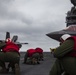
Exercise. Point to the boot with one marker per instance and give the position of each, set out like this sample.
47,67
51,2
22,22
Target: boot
33,61
64,73
38,62
17,69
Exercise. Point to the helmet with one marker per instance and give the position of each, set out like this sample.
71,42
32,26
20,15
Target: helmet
8,40
65,36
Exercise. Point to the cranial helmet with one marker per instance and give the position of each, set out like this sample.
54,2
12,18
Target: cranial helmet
65,36
8,40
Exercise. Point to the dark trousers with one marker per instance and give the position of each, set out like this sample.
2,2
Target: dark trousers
66,65
11,57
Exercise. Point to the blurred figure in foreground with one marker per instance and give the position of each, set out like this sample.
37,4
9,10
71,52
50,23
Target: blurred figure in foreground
31,57
66,57
10,53
40,51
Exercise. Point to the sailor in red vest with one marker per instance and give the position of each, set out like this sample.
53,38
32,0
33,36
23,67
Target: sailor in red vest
66,57
40,51
31,57
10,53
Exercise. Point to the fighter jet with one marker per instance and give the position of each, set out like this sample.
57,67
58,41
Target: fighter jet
57,34
14,38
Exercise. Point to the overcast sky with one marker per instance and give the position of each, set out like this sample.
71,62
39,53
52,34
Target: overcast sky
31,20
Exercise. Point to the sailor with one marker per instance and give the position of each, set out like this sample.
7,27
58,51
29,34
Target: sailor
40,51
10,53
31,57
65,56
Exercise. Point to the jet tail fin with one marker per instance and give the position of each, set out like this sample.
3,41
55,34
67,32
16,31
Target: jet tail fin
15,38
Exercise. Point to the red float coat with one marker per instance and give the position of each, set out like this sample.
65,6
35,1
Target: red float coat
31,52
11,47
73,53
39,50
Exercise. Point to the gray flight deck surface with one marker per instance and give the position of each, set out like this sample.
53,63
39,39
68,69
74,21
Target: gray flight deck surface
41,69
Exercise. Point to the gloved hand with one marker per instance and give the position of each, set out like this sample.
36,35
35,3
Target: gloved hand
52,50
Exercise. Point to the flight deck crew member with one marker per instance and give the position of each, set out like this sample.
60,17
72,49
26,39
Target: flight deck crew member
31,57
66,56
10,53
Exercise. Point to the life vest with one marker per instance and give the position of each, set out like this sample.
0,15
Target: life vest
31,52
39,50
73,52
10,46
